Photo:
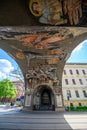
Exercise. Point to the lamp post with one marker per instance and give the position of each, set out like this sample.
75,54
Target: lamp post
68,98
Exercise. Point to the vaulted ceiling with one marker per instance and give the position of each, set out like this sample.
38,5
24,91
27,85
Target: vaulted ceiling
32,41
40,45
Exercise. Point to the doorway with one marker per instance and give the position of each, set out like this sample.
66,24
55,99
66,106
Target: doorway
46,98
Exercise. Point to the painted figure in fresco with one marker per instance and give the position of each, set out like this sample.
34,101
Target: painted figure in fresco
51,12
57,12
73,9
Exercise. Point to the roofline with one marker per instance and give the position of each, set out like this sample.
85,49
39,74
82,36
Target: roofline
76,63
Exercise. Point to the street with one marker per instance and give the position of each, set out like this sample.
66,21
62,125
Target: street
16,119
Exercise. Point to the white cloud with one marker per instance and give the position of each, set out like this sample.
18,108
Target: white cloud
6,66
80,46
2,75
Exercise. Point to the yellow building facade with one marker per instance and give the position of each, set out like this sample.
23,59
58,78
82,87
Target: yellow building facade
74,84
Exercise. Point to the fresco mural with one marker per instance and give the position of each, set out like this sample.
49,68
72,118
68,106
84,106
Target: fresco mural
58,12
43,40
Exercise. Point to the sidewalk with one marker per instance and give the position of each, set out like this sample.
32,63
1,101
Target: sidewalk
7,109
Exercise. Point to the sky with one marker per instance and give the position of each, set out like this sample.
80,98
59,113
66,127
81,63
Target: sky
79,54
7,64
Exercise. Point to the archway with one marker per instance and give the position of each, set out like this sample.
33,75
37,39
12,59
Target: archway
11,72
47,46
44,98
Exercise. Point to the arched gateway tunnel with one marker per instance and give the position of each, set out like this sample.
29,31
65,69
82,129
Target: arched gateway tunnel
42,48
41,53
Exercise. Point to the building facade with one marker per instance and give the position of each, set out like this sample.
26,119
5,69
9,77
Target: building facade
74,84
19,85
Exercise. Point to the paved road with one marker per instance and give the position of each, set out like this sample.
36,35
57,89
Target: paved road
44,121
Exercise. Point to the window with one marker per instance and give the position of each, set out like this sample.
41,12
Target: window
80,80
84,72
77,94
66,80
69,93
71,104
77,72
80,104
64,72
84,93
71,72
73,81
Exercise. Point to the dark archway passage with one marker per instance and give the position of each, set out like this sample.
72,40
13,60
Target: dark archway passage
44,98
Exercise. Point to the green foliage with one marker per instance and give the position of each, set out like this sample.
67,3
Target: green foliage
78,108
7,89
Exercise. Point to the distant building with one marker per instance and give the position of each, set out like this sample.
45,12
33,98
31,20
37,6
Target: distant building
19,85
74,84
18,80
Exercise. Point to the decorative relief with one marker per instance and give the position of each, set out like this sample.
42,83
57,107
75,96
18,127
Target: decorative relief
56,12
42,75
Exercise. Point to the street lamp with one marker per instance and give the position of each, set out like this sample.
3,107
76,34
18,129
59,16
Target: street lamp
68,98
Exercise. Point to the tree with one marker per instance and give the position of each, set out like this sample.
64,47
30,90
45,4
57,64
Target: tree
7,89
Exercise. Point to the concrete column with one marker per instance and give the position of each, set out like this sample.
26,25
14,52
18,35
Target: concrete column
58,103
28,106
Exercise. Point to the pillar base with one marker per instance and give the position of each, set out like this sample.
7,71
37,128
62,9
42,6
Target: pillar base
27,109
62,109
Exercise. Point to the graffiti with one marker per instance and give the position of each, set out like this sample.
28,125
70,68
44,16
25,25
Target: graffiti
57,12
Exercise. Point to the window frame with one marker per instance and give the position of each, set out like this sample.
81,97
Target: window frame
77,94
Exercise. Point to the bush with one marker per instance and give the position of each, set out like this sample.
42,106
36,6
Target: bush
78,108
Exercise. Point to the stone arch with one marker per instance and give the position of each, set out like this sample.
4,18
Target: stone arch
43,98
15,40
6,46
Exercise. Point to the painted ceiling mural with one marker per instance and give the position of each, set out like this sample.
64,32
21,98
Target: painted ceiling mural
47,45
44,45
58,12
36,46
40,52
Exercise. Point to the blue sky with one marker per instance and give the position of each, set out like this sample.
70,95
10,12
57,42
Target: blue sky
79,54
7,64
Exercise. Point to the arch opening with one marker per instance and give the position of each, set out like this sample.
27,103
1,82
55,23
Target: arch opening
9,69
44,98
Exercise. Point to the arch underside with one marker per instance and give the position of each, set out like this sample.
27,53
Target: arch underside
40,45
41,53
